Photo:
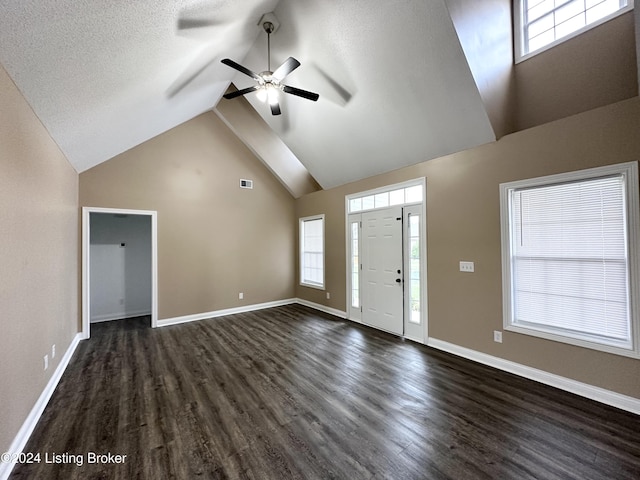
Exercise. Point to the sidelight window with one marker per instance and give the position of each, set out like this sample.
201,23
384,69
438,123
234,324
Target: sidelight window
414,269
355,264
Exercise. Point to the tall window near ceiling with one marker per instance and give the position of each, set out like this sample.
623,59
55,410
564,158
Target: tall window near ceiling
570,260
312,251
544,23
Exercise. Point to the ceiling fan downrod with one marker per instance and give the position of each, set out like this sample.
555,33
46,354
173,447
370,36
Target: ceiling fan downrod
268,27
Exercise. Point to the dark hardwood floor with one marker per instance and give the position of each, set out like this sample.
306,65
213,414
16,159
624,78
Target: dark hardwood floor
290,392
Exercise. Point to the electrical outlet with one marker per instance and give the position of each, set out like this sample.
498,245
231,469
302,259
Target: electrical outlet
328,295
53,351
46,362
497,336
240,295
468,267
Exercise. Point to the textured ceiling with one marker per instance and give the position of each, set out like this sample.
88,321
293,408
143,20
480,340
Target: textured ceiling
406,91
103,76
395,88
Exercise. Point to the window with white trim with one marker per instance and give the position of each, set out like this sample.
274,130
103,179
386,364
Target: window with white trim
312,251
544,23
385,198
569,257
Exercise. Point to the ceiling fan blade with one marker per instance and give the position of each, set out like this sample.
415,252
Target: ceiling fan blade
240,68
239,93
301,93
191,23
203,62
275,108
289,65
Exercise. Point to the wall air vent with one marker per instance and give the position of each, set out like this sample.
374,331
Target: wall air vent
246,183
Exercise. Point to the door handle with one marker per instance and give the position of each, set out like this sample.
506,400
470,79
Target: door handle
398,280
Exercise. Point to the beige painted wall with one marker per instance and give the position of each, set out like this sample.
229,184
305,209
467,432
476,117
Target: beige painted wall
484,28
214,239
463,222
38,261
636,14
591,70
257,135
596,68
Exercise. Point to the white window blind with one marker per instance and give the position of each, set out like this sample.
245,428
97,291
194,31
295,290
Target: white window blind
312,251
570,260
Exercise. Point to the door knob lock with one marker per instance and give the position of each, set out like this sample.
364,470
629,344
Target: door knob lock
398,280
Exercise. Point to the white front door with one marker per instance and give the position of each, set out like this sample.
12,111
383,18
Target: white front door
382,305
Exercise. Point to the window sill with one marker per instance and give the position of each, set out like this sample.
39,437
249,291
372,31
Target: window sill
579,342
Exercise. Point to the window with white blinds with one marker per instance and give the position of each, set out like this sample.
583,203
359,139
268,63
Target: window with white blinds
312,251
568,256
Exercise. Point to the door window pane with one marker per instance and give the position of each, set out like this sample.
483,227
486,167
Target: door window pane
414,269
368,202
413,194
382,200
355,266
396,197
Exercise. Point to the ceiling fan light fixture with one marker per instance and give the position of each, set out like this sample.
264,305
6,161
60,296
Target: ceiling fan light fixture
269,82
268,93
272,94
261,94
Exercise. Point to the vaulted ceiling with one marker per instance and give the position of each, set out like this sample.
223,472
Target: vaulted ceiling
395,86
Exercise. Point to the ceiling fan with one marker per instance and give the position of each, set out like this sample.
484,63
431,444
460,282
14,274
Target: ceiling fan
269,83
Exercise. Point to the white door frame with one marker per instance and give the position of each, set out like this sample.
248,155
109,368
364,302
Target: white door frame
355,315
86,274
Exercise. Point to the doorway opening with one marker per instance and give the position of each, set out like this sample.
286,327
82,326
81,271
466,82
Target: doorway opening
119,265
386,259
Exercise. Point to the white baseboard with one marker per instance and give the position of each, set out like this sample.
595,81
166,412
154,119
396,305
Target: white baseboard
322,308
32,419
107,317
624,402
227,311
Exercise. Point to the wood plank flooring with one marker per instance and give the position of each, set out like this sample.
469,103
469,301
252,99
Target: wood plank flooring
292,393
